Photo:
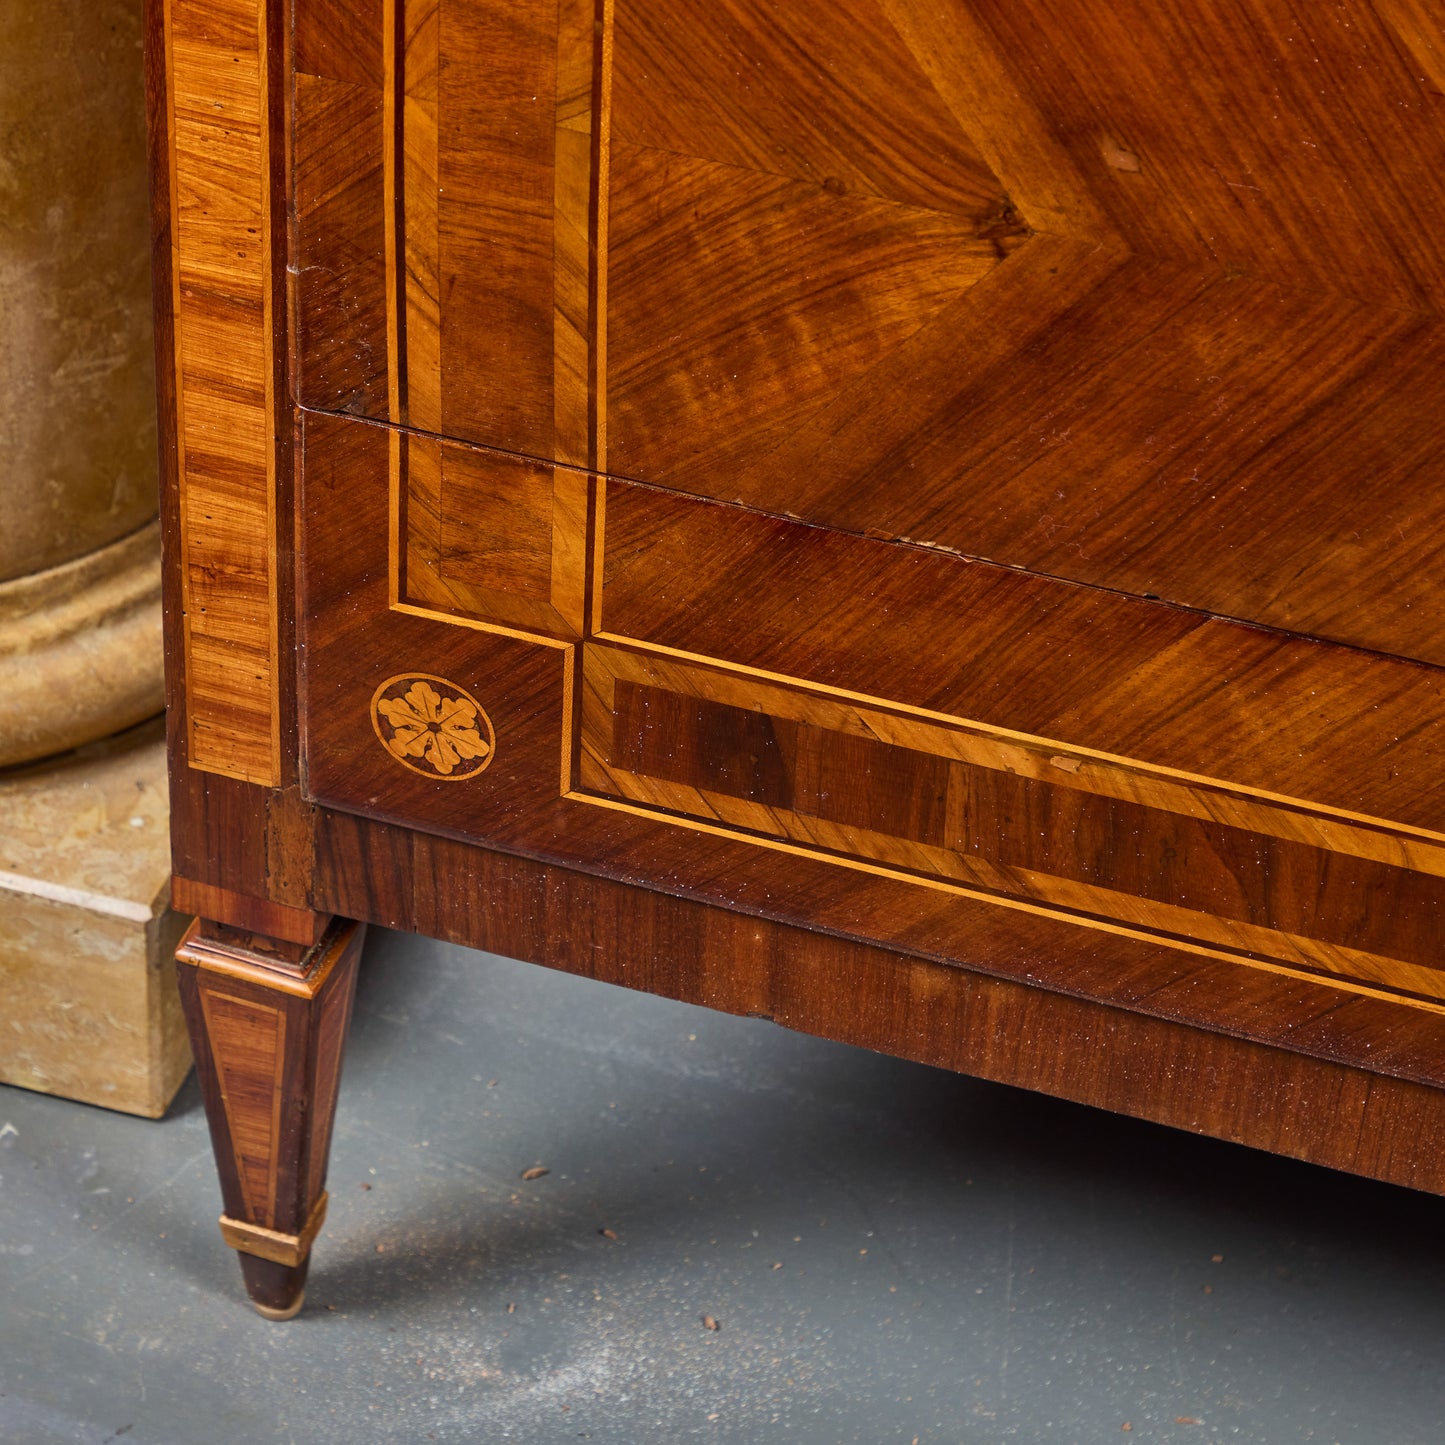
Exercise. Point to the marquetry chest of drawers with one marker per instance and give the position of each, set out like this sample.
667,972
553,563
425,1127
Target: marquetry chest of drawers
919,520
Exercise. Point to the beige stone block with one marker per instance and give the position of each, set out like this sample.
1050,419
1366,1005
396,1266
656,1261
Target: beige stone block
88,1002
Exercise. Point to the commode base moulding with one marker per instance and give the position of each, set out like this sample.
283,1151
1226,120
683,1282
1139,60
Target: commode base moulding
916,523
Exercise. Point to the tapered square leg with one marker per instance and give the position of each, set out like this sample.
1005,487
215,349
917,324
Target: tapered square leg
268,1025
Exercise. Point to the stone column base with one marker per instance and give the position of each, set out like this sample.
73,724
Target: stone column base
88,1002
80,649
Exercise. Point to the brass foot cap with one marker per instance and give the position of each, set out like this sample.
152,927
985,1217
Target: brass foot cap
267,1313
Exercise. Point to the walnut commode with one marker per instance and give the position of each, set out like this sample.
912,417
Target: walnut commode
921,521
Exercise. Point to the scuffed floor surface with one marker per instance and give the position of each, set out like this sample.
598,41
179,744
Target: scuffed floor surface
889,1253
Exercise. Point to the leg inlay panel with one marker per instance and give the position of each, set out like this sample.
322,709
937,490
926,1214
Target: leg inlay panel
248,1041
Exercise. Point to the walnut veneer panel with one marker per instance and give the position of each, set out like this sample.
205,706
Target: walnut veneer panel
1148,300
887,274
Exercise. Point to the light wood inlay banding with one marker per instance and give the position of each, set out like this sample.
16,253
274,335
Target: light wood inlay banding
330,1045
572,185
413,202
224,340
778,784
1047,760
606,29
500,540
411,39
420,214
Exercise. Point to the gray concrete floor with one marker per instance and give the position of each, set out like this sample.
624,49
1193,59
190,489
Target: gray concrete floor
891,1253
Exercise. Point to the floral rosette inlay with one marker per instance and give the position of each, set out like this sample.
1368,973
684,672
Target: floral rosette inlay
438,730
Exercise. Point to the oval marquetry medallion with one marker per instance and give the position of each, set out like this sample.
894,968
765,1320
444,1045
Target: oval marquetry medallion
432,726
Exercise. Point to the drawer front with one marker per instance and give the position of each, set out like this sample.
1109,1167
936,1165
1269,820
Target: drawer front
1104,793
1148,300
933,476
